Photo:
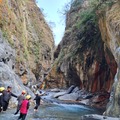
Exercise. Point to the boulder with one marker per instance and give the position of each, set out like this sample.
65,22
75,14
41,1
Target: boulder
98,117
56,95
72,97
71,88
55,90
75,89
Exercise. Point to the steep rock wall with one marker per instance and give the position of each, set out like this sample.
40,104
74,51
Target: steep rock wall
23,25
110,30
7,74
81,57
89,56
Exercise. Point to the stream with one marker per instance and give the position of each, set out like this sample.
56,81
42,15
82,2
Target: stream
53,112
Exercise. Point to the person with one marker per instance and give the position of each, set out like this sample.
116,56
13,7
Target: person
6,97
1,98
24,107
37,99
20,99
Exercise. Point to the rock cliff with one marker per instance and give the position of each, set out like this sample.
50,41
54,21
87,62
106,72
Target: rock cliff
109,24
82,58
88,55
24,27
7,74
26,45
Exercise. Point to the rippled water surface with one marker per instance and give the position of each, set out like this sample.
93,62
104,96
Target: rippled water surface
53,112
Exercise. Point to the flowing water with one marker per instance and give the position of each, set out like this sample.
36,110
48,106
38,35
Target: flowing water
53,112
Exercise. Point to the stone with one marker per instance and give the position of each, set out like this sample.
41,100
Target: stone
72,97
70,89
56,95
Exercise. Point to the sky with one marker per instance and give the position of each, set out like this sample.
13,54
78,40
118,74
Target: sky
51,9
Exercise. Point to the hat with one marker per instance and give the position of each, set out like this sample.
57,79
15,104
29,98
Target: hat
23,92
28,97
1,89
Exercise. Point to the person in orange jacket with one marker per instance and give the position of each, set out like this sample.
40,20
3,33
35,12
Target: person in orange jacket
20,99
24,108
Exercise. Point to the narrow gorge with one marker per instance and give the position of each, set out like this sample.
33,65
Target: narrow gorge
85,61
88,55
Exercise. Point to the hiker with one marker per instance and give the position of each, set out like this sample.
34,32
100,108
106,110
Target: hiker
1,98
37,99
6,97
20,99
24,107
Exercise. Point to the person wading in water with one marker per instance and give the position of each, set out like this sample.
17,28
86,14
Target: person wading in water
37,99
20,99
6,97
24,108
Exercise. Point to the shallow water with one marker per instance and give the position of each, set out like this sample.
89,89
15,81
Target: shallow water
53,112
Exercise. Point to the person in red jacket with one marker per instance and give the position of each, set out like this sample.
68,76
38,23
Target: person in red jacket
24,108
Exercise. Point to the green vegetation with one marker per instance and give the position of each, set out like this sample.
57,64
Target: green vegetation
36,53
61,56
76,3
84,34
5,35
87,15
90,12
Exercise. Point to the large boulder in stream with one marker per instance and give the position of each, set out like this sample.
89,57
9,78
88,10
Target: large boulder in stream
71,89
71,96
56,95
98,117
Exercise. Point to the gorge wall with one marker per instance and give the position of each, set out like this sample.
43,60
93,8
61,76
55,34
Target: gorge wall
24,27
88,55
109,25
82,58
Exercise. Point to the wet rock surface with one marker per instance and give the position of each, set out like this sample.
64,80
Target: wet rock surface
98,117
79,96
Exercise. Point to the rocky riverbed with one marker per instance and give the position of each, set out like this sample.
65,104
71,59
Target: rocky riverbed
52,112
78,96
56,111
53,108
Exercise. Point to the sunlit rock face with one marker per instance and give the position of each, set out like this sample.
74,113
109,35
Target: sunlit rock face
110,31
7,74
24,27
82,58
